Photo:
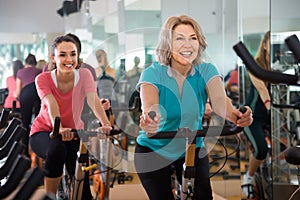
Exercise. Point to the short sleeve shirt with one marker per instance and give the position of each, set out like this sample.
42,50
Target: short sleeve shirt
177,111
27,75
70,103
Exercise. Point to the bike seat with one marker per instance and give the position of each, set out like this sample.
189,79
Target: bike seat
292,155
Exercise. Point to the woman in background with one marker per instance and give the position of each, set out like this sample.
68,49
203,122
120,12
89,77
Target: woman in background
11,86
27,94
258,100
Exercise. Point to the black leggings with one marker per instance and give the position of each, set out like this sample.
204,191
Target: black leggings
55,153
256,135
157,181
30,102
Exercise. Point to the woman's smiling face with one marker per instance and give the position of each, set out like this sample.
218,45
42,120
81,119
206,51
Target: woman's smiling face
66,56
185,44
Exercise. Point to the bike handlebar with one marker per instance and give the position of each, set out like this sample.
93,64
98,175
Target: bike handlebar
256,70
209,131
79,133
294,45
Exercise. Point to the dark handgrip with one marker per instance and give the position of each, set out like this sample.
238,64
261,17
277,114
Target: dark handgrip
294,45
292,155
55,133
4,118
243,109
152,114
256,70
14,106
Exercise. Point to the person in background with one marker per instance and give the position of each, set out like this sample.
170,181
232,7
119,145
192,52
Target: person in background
177,88
41,64
62,92
133,75
27,95
11,86
232,84
103,65
136,69
259,101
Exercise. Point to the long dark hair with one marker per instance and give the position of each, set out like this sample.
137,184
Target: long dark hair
17,64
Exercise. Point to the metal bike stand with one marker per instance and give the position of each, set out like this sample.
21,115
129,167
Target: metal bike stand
108,167
189,170
79,176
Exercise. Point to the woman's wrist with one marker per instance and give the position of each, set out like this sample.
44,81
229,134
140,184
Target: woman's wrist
267,101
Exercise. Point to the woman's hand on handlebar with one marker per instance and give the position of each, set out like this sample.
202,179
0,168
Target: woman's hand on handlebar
106,128
243,119
105,103
149,125
66,134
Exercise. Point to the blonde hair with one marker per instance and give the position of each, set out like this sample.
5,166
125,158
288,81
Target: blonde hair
164,47
103,57
261,55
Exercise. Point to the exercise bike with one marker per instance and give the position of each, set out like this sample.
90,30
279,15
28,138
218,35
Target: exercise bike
292,154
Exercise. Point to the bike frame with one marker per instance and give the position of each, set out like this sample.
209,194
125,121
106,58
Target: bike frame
292,154
189,170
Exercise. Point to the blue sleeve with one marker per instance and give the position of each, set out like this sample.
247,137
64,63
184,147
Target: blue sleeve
149,75
207,71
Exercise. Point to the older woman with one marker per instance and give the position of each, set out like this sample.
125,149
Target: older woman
177,88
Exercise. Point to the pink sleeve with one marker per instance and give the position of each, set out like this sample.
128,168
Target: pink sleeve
43,85
89,83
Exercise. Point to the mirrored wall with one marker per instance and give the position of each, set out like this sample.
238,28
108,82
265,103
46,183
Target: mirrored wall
128,31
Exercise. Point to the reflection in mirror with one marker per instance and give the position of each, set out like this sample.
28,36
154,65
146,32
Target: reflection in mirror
128,31
285,121
254,22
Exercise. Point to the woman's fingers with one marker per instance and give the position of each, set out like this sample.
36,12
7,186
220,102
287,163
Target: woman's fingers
149,125
67,135
245,119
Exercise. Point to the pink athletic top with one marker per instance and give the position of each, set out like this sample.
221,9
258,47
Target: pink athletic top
11,86
70,104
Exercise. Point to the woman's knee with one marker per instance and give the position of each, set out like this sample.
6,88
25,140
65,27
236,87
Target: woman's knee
55,159
262,152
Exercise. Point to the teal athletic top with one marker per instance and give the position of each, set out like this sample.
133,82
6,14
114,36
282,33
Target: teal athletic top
177,112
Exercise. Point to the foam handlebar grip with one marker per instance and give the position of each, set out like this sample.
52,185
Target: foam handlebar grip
55,133
152,114
242,109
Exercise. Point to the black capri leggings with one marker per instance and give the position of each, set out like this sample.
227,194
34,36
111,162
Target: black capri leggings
256,135
157,183
30,102
55,153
